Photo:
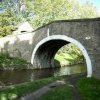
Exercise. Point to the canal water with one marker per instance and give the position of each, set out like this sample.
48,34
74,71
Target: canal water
12,77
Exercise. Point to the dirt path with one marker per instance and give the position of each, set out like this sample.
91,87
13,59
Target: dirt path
70,81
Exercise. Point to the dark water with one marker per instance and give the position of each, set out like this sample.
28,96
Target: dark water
21,76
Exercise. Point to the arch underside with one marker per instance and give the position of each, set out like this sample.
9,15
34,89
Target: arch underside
44,57
44,52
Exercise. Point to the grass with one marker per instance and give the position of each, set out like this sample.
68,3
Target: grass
60,58
18,91
89,88
5,59
68,58
59,93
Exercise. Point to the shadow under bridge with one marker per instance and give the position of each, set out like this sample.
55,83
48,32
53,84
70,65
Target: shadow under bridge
44,56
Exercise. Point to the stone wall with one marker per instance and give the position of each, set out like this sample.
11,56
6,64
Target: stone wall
18,45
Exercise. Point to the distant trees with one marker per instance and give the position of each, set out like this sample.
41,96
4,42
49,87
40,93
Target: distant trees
40,12
45,11
6,22
11,13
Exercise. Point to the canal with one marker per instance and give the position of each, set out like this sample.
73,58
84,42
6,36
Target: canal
11,77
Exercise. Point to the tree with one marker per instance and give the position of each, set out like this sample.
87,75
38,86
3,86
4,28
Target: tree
45,11
40,12
10,15
6,22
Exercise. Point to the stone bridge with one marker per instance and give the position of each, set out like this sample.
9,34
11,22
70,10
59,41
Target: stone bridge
40,46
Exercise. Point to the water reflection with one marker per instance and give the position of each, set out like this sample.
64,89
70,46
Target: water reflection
20,76
68,70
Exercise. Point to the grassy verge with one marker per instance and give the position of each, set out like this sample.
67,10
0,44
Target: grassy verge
68,58
89,88
59,93
18,91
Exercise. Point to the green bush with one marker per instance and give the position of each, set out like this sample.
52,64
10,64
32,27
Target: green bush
5,59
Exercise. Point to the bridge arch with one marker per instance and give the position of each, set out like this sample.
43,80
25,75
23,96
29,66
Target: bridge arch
65,40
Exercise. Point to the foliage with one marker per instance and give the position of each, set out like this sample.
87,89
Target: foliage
10,15
89,88
68,58
40,12
18,91
6,20
45,11
59,93
69,54
5,59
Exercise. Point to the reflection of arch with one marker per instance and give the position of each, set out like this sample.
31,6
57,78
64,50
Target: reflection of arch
67,39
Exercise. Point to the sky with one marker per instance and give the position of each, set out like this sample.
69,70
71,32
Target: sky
96,3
